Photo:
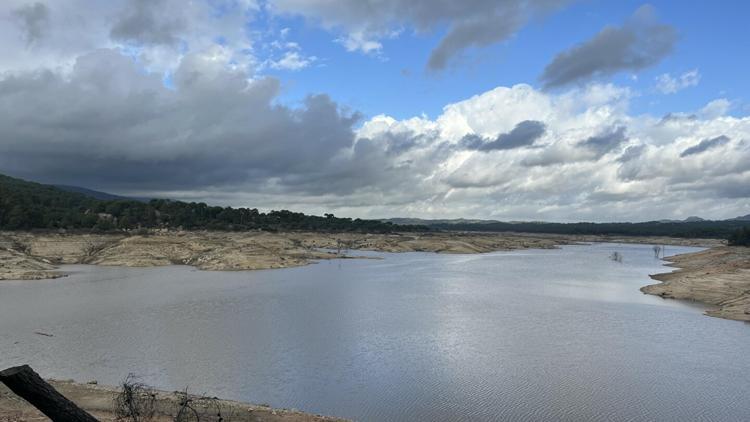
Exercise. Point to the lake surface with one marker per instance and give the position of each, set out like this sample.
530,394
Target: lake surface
526,335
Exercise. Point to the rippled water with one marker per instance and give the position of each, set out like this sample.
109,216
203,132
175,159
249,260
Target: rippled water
526,335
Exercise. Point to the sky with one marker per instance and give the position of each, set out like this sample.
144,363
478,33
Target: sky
553,110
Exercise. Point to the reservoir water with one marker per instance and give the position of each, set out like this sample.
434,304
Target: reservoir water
526,335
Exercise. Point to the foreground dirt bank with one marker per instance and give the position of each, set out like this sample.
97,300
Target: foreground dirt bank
100,402
719,277
27,256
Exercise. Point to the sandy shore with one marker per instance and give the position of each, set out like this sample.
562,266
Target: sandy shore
26,256
99,401
719,277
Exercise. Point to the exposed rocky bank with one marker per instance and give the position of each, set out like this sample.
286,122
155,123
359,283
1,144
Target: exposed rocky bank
719,277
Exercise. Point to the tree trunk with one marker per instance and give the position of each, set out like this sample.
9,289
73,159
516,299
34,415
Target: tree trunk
28,385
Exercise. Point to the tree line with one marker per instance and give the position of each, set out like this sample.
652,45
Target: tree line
27,205
695,229
741,237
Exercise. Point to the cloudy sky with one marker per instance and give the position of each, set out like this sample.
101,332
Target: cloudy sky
557,110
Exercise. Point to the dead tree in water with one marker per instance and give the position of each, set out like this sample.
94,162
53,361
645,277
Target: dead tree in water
343,246
657,251
616,256
28,385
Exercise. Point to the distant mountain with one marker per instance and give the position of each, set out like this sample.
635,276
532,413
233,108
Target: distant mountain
691,219
104,196
743,218
691,227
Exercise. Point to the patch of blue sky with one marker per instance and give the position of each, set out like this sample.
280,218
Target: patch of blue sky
713,38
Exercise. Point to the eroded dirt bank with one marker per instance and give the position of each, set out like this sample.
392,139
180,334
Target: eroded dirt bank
719,276
100,402
27,256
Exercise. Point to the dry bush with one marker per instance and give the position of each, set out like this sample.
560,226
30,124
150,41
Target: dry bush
193,408
136,402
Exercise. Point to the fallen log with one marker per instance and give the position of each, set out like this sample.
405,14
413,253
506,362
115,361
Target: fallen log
28,385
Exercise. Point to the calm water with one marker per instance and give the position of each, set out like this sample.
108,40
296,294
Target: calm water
527,335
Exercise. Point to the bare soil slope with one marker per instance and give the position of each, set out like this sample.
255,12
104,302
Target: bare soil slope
33,256
718,276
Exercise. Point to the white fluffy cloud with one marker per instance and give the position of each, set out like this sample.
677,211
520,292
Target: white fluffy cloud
83,101
595,161
668,84
52,34
292,60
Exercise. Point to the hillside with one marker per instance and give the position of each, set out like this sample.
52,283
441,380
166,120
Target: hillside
28,205
691,227
97,194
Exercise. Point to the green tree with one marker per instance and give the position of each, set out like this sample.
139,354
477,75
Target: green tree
741,237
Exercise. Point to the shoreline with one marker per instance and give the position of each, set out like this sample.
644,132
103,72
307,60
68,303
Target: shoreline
36,256
718,277
33,256
99,400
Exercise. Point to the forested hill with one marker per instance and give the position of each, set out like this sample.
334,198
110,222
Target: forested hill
689,229
27,205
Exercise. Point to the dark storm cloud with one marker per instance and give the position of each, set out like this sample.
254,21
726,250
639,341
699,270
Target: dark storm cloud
705,145
110,125
606,141
639,43
32,18
480,31
471,23
148,22
524,134
591,149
